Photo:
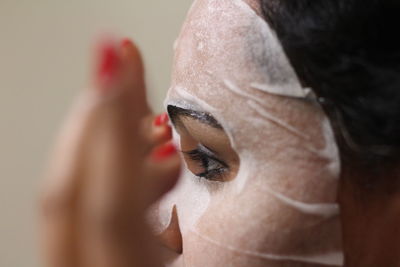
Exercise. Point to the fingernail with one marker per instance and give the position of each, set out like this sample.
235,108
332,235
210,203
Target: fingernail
161,119
163,152
108,64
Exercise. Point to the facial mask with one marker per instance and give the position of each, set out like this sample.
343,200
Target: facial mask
280,209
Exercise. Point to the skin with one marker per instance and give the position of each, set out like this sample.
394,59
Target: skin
234,225
101,180
102,177
370,218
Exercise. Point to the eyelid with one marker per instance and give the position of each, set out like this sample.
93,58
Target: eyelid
205,150
214,169
210,153
175,113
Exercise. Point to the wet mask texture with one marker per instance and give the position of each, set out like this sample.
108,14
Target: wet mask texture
280,209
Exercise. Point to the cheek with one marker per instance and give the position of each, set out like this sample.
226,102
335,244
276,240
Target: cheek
200,251
253,224
255,221
191,199
250,228
253,229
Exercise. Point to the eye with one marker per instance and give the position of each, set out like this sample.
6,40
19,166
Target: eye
212,168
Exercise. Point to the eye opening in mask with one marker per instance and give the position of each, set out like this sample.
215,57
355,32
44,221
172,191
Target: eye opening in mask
205,146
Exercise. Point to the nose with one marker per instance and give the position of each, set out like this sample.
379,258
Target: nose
171,237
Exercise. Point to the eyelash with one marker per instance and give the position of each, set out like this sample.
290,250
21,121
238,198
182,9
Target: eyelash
214,169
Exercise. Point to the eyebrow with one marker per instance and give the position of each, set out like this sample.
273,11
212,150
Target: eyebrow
175,113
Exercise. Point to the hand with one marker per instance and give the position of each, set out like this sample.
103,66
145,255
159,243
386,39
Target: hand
106,170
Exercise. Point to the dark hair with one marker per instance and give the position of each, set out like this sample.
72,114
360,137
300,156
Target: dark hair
349,53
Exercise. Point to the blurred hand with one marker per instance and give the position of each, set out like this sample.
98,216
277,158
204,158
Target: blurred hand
111,161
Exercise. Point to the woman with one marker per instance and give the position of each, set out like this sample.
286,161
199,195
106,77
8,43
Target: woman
261,162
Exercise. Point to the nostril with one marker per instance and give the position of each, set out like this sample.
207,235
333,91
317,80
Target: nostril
171,237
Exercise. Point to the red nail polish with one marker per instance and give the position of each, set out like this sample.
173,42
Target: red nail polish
161,119
163,152
108,63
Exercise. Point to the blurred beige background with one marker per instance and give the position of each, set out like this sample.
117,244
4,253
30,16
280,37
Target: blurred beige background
45,52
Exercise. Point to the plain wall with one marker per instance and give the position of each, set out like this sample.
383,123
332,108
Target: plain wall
45,59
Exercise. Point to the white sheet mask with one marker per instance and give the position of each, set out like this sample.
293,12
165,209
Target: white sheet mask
280,209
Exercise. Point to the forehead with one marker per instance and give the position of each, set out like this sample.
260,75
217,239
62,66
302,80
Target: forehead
228,40
228,62
212,34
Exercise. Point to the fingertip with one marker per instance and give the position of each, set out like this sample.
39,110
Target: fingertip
108,62
131,51
126,43
161,130
161,119
134,63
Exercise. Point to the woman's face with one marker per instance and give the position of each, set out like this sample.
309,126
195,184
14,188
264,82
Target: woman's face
261,166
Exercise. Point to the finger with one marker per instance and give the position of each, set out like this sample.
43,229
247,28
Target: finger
132,58
115,151
155,132
61,190
115,147
66,174
162,132
134,75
